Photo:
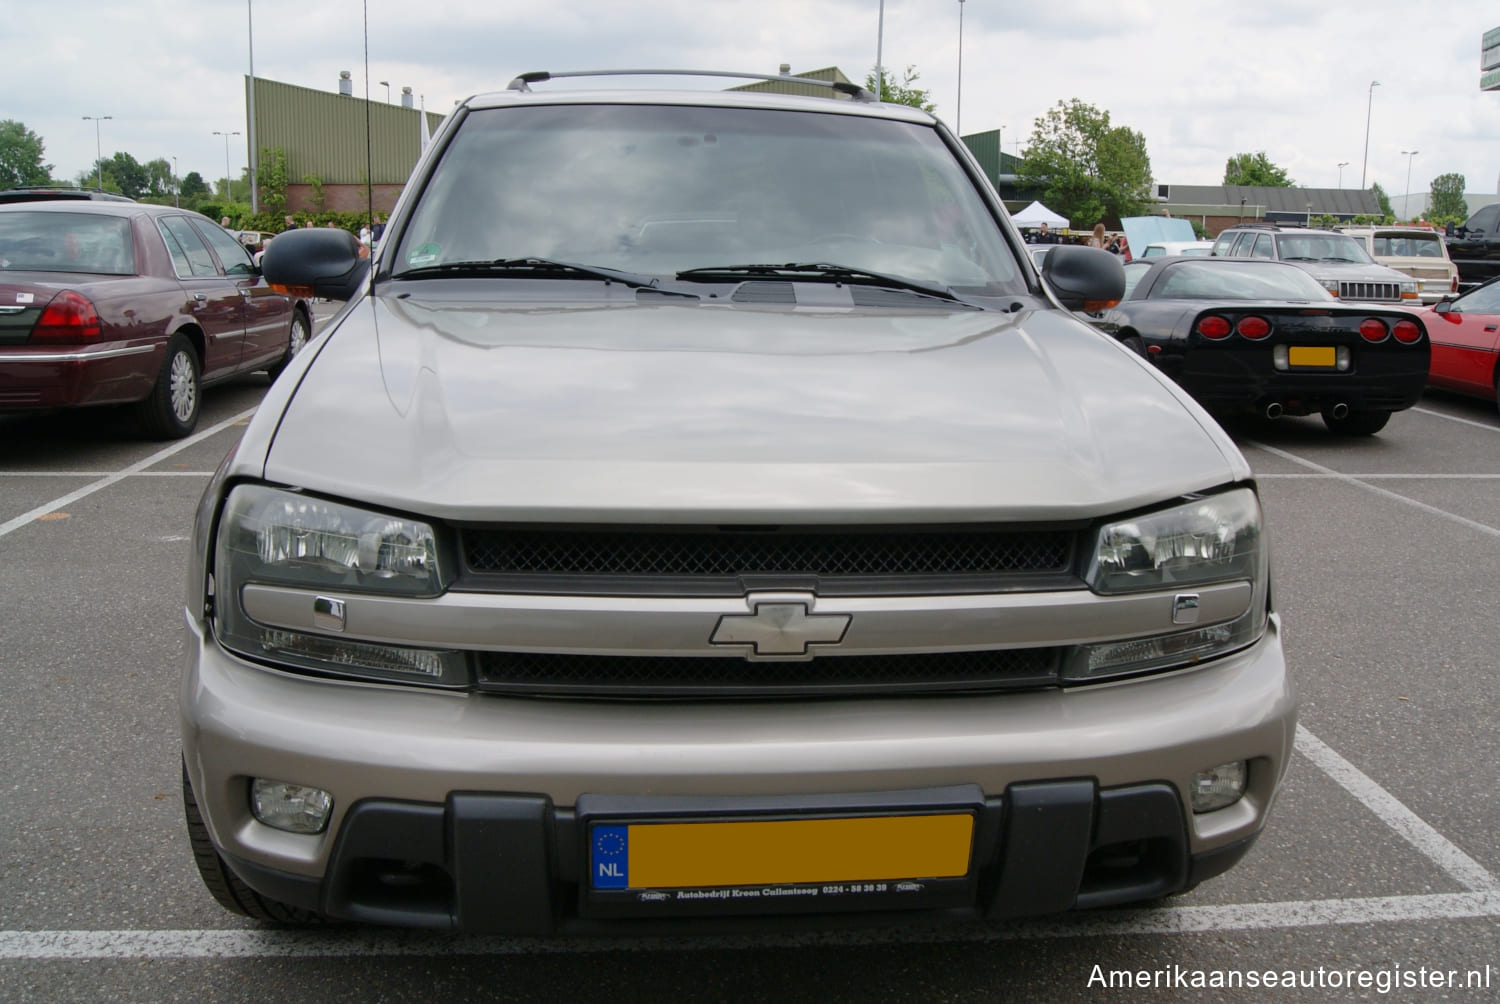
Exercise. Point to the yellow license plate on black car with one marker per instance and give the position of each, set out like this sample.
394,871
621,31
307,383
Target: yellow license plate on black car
687,855
1323,356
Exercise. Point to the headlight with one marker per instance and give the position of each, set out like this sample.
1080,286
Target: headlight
284,539
1215,539
1332,285
1211,540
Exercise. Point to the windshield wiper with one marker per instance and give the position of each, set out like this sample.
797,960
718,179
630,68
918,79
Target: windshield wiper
820,270
540,268
1297,257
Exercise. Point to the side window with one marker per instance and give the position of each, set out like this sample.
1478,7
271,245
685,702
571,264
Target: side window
1241,247
232,254
190,255
1486,219
1223,244
1263,247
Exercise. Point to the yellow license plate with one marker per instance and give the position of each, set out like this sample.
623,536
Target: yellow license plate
1312,355
779,852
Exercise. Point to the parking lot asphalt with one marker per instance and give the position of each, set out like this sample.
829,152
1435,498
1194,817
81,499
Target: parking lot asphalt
1379,866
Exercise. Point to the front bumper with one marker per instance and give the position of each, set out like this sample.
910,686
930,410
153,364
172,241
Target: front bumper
470,811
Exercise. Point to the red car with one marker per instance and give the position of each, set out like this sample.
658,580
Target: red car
1465,334
105,302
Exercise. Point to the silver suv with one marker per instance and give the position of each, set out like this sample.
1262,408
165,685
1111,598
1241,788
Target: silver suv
702,511
1340,263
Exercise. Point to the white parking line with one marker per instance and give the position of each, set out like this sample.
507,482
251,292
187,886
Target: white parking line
1455,418
1420,834
133,474
362,942
109,479
1385,493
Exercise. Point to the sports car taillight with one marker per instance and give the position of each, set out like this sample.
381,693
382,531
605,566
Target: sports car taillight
1373,330
1407,332
70,317
1213,326
1253,328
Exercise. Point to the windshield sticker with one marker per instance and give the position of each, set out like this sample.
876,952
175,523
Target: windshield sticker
423,254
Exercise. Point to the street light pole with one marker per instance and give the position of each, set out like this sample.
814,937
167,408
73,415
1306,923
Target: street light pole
1342,164
387,85
958,116
176,186
226,136
1369,106
879,45
254,150
98,147
1410,156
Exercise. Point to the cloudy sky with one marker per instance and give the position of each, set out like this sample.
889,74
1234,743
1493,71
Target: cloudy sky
1201,79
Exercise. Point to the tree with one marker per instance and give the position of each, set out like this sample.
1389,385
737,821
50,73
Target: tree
159,177
1448,198
903,93
1381,199
21,157
129,174
1255,169
272,177
193,188
1084,168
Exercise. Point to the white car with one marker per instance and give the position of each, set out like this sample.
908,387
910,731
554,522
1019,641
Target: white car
1163,248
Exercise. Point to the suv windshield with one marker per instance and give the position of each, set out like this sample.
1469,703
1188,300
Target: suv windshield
1321,247
657,190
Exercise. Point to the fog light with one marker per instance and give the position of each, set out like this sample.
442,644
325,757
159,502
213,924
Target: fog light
1219,786
290,807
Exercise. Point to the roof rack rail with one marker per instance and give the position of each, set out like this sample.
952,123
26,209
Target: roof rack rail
858,93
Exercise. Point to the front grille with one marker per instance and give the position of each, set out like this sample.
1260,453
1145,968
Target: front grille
708,552
1370,291
547,674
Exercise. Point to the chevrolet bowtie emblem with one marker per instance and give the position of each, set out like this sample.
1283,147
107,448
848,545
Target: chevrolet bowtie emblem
780,626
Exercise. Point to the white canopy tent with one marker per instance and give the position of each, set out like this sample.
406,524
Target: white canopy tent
1035,215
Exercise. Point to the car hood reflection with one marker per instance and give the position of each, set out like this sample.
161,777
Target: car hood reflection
665,411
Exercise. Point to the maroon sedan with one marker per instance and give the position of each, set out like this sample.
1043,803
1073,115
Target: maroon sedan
115,303
1465,334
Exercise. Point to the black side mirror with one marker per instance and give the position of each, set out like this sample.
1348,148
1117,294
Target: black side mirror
1448,229
318,261
1084,278
1443,306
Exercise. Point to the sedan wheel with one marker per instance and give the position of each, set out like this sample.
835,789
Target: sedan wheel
295,340
1356,423
170,411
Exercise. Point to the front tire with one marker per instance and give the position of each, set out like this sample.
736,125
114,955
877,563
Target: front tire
170,411
1356,423
296,338
226,887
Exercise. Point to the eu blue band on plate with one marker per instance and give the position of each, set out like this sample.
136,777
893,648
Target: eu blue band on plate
609,857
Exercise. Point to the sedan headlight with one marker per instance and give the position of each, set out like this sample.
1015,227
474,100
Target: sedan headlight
320,552
1206,542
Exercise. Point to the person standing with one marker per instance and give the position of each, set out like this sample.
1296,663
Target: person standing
292,224
1097,241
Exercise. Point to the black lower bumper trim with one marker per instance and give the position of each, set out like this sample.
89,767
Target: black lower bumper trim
511,864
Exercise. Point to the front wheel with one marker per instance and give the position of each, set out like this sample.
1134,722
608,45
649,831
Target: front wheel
296,338
225,886
170,411
1356,423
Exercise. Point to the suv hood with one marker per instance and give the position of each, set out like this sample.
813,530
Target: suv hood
668,412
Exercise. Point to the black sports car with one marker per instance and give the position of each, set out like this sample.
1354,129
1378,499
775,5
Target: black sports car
1245,336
